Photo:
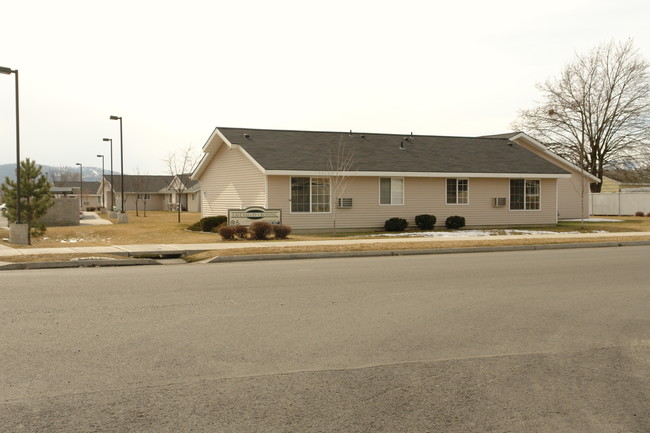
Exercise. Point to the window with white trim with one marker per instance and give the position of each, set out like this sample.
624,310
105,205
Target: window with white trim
457,191
310,194
391,190
525,194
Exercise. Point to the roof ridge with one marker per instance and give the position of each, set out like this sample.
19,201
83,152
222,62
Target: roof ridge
366,133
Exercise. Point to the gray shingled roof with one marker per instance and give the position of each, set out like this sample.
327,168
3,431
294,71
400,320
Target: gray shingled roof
307,151
89,187
140,183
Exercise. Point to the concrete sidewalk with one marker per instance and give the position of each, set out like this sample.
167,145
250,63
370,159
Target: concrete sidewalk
188,249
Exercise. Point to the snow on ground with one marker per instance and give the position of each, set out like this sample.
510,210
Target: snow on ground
595,220
475,233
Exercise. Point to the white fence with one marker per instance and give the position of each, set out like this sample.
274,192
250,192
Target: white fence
620,203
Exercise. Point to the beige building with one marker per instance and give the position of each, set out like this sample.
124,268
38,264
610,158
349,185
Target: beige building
362,179
91,198
152,192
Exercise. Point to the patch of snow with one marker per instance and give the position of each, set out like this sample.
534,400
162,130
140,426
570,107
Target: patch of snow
476,233
536,232
91,258
438,234
594,220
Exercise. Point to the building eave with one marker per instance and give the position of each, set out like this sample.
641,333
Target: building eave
414,174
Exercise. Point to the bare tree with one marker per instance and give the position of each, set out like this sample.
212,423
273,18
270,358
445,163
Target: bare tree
339,163
140,191
180,165
597,113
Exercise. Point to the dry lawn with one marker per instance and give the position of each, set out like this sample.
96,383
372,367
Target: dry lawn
155,228
163,227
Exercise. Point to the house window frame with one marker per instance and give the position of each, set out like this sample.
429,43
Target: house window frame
403,194
456,203
311,195
526,195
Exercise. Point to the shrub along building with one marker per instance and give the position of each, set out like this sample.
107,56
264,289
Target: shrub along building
362,179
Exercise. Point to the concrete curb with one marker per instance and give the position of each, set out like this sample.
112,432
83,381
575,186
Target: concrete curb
77,264
317,255
383,253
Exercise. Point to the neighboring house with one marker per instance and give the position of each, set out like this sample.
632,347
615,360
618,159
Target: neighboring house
155,190
190,197
614,183
138,189
509,179
91,198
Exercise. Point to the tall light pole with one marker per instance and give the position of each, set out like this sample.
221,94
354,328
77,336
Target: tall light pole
121,162
103,201
8,71
112,183
81,184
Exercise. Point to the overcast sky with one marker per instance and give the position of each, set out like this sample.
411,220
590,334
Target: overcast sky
175,70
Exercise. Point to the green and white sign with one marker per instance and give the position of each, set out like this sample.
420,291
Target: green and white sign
246,217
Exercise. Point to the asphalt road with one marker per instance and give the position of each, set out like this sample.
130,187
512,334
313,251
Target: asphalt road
537,341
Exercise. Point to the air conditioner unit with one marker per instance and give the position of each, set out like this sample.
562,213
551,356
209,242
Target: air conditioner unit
498,202
345,203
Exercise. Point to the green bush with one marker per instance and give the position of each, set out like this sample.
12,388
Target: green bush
210,223
227,233
260,230
455,222
425,221
196,227
281,232
395,225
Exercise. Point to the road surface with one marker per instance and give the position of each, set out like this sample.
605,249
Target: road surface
537,341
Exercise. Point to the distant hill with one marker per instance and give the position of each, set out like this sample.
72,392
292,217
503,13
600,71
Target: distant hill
91,174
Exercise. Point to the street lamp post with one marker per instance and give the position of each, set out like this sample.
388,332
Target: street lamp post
8,71
81,184
121,162
112,183
103,201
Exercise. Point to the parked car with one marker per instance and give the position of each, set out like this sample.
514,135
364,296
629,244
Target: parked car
3,207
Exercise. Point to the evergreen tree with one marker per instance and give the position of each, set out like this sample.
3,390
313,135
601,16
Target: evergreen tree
35,197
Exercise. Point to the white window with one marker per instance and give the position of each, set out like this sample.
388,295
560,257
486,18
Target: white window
525,194
457,191
391,190
310,194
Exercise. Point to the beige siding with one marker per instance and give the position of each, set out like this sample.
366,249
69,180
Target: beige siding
231,181
569,193
194,201
610,185
155,203
421,195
